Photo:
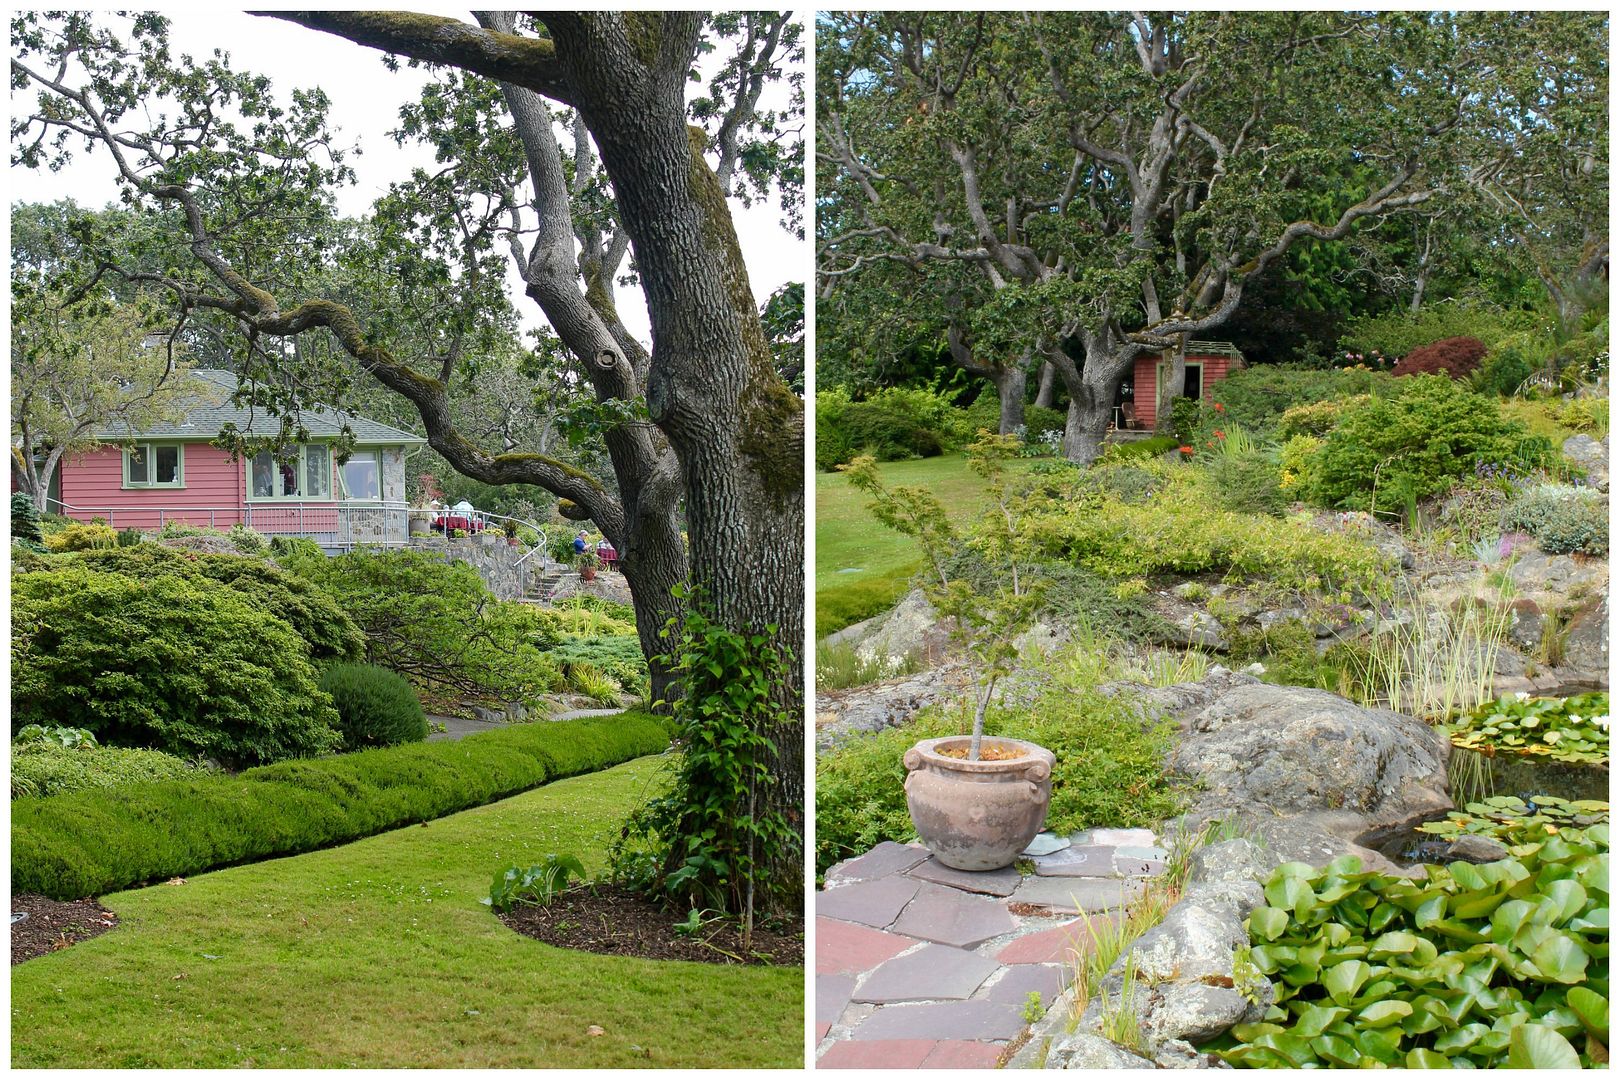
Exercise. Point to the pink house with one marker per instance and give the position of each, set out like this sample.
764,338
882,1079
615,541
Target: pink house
1150,389
170,473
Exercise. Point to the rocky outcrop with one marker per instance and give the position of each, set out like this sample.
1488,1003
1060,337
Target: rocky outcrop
1291,750
1592,455
841,714
912,628
1586,641
1188,985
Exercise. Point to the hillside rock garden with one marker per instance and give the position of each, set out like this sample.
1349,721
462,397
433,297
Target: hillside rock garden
1356,731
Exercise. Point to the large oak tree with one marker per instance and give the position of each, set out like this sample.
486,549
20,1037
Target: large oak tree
1116,180
701,429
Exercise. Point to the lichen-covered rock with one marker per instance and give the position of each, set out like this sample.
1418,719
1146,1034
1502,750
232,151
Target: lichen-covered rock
1083,1050
1195,1012
1586,645
1592,455
1293,750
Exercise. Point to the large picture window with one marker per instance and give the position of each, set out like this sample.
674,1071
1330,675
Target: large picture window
307,476
154,465
361,476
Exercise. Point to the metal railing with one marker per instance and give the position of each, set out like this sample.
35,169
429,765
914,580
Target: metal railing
341,526
486,517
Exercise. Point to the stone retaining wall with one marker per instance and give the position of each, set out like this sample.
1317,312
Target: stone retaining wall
495,561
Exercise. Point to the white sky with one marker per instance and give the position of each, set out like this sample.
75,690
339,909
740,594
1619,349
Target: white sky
366,98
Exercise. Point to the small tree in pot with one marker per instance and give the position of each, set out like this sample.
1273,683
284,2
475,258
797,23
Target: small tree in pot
975,804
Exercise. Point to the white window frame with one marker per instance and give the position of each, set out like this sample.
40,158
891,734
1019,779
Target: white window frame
149,451
303,470
376,455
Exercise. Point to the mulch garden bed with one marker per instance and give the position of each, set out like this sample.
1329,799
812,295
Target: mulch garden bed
605,919
53,925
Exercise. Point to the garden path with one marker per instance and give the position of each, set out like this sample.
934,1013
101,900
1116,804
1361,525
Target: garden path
922,966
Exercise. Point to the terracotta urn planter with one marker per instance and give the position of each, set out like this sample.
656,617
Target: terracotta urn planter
978,815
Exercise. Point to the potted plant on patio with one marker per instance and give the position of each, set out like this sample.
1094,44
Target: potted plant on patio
976,802
587,566
510,528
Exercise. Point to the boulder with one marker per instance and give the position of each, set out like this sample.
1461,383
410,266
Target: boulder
1526,621
1592,455
1537,575
1083,1050
1586,644
1196,1012
911,628
843,713
1290,750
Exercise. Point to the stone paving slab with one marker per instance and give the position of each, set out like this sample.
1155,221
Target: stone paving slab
931,973
960,1054
1151,852
953,917
1054,946
1020,980
1077,894
873,903
991,882
884,1054
1045,843
885,859
851,949
832,995
1090,861
1115,837
1127,867
977,1020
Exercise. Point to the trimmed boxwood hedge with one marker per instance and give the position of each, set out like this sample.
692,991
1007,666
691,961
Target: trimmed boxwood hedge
92,842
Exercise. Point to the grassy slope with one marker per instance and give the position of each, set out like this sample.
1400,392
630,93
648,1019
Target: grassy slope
880,560
379,954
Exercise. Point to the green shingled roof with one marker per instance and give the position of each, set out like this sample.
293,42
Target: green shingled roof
213,409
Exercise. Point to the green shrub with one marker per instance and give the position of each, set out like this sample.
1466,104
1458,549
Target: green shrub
1181,531
375,706
313,615
893,424
1256,397
1109,771
1414,445
1247,483
82,537
1503,372
1563,519
435,622
1138,449
168,663
92,842
585,660
1318,417
1586,414
25,518
1396,333
44,768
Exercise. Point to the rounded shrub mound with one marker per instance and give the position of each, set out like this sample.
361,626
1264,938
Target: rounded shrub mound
170,663
47,768
375,706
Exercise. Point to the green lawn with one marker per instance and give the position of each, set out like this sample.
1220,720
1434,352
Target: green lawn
862,567
378,954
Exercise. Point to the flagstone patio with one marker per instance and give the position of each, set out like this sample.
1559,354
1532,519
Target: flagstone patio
922,966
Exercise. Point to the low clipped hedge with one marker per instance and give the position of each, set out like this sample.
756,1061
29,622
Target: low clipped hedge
93,842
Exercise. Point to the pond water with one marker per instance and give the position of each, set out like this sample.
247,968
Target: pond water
1476,777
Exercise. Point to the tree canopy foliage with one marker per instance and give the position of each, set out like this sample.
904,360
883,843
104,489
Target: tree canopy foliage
1079,188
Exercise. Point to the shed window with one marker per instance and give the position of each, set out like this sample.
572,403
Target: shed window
154,465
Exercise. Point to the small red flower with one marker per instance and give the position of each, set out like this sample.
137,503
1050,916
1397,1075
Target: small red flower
1219,407
1185,450
1220,434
